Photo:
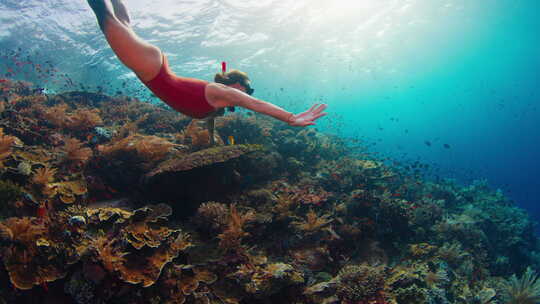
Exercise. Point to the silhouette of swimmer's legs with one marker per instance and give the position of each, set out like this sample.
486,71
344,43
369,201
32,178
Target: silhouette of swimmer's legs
141,57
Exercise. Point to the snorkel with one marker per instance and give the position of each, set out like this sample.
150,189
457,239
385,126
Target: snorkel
223,71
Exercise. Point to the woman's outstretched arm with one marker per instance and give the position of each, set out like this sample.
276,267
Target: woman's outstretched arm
221,96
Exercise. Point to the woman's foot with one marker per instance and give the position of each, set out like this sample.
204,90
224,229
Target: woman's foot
102,9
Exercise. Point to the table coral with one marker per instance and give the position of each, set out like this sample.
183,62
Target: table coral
203,158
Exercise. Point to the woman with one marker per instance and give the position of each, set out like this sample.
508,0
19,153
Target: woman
193,97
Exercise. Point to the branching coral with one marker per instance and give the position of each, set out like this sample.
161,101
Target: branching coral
6,143
452,252
261,278
145,148
199,136
312,223
83,119
74,152
56,115
233,234
284,204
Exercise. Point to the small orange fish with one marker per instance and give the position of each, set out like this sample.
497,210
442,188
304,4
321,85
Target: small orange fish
230,140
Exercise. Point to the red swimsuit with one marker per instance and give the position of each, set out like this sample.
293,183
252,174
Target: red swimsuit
185,95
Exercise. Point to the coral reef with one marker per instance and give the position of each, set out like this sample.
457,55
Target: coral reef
115,200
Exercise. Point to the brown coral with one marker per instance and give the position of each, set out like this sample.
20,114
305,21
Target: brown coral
146,227
6,142
145,270
146,148
153,246
68,190
24,258
55,115
83,119
98,215
263,278
212,215
312,223
43,179
74,152
233,234
43,176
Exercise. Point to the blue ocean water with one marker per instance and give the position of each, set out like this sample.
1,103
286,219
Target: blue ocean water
450,83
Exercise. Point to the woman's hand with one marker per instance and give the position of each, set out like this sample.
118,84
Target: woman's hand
308,117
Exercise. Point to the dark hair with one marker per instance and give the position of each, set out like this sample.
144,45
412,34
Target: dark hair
232,77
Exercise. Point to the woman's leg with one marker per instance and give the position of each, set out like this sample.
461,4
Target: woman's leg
121,12
141,57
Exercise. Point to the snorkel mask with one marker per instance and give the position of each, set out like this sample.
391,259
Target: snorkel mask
245,83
